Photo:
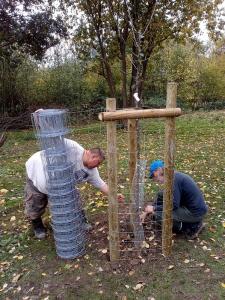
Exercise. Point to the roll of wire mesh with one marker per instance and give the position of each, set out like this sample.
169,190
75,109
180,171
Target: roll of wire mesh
67,217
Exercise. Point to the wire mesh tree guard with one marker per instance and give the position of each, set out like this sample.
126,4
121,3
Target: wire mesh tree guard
132,115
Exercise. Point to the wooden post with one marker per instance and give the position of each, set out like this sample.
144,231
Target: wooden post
112,182
132,148
139,113
169,171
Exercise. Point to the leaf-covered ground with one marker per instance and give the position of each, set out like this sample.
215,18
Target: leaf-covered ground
30,269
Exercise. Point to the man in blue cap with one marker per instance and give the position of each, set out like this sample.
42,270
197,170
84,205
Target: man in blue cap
189,206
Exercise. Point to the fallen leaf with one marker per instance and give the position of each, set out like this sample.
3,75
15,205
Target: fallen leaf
201,265
99,203
139,286
4,287
12,250
145,245
207,271
67,266
19,288
3,191
12,219
223,285
2,202
16,278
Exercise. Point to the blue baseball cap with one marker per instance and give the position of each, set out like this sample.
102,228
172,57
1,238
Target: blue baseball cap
154,166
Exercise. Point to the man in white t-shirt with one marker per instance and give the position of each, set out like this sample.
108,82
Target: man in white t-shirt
36,200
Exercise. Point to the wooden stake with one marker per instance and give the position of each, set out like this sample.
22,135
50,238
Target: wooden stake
169,171
112,182
132,148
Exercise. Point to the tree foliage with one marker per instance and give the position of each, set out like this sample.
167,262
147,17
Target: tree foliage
179,63
132,29
29,27
212,79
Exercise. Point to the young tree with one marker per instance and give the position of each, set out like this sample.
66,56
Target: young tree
132,29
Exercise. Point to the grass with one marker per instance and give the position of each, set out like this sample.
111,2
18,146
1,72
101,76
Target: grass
30,268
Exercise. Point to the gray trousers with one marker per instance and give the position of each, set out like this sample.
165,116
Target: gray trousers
35,202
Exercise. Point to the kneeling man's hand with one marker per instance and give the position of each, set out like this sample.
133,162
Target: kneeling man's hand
149,209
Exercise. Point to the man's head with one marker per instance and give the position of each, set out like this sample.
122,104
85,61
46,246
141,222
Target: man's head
156,171
93,157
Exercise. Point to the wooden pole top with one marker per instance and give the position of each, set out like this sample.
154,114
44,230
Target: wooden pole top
139,113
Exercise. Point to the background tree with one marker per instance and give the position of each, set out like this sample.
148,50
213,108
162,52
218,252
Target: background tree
132,30
27,27
211,83
175,62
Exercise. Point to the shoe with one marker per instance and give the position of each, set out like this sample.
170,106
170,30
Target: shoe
177,227
194,230
39,229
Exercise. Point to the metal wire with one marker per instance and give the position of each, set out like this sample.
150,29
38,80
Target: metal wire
67,217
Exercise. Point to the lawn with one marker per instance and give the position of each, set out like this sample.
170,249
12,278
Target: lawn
30,269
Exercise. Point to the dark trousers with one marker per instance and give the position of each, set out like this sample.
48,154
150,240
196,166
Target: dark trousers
182,214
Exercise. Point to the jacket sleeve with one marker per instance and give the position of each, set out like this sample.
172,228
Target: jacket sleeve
176,194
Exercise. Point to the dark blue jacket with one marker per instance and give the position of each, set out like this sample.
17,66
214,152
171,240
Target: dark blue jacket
186,193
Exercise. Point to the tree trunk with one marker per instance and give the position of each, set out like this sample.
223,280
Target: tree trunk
124,76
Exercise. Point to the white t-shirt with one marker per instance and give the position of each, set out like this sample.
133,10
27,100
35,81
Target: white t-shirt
36,173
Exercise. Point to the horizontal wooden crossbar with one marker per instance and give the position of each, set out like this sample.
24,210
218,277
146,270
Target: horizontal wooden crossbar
139,114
